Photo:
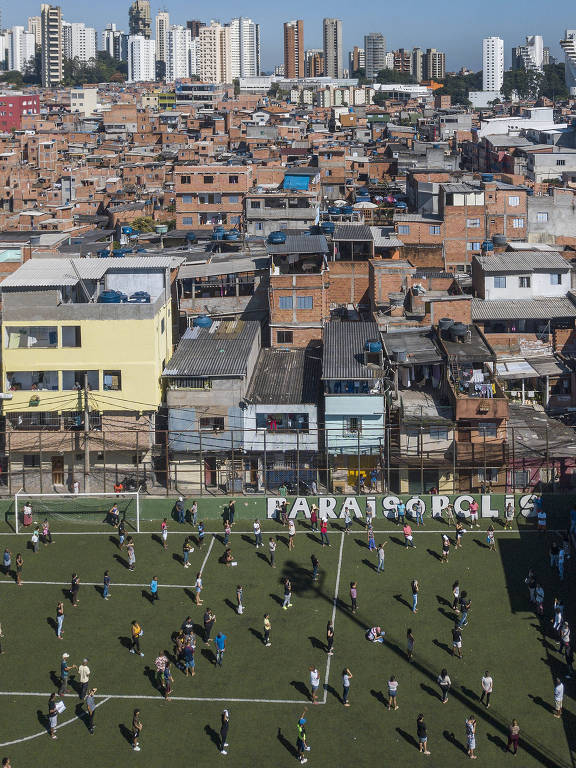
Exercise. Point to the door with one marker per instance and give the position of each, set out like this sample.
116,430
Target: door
57,470
210,471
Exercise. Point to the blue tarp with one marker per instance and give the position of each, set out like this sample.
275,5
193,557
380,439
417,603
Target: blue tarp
296,182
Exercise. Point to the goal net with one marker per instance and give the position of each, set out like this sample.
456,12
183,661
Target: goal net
87,511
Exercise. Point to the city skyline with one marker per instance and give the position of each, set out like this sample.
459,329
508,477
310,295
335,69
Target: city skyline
462,50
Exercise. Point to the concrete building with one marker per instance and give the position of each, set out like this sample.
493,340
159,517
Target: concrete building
520,275
375,53
314,62
52,53
214,54
78,41
492,64
434,65
529,56
14,106
20,48
418,64
115,43
141,59
403,61
35,26
332,43
139,19
244,48
568,45
180,54
294,49
194,25
84,100
162,25
356,59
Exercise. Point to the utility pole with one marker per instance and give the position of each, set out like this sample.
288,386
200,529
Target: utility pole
86,436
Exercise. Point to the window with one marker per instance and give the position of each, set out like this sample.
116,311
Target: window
187,221
488,475
259,226
39,337
71,336
488,429
113,380
560,162
187,382
208,179
185,179
232,179
403,229
282,422
542,217
75,380
304,302
556,278
434,229
233,198
500,281
513,201
518,223
211,424
187,199
255,204
474,246
285,302
285,337
438,433
353,425
162,325
521,478
31,460
473,223
524,282
35,420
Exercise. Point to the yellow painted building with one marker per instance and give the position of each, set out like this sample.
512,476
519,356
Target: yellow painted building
56,328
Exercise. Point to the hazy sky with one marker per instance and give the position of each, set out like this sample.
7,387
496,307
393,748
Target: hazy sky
456,28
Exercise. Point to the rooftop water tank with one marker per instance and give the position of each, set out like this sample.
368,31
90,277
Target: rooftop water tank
277,238
373,345
140,297
333,210
401,206
487,177
487,245
445,323
218,235
328,227
499,239
459,331
111,297
232,234
161,229
202,321
191,237
347,210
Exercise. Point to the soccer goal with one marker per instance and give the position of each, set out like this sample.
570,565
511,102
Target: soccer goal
85,510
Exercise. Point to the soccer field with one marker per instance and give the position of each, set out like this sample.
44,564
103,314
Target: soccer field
266,689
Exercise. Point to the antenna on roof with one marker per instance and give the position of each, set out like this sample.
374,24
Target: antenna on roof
89,298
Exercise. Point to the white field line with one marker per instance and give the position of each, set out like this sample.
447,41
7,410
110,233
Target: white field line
99,584
207,554
45,732
280,531
334,606
137,697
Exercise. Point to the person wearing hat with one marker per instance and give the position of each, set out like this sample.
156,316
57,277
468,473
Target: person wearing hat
90,707
65,670
84,678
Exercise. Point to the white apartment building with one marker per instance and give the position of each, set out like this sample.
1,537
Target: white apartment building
179,47
115,43
162,28
20,47
529,56
213,54
78,41
244,48
141,59
492,64
35,26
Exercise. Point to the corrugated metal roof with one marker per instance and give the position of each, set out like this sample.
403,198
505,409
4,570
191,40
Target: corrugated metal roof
426,218
522,309
250,264
352,232
344,350
43,273
383,239
460,189
299,244
219,351
523,261
286,376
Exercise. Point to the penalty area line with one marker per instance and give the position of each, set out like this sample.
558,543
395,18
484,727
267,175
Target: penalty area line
148,697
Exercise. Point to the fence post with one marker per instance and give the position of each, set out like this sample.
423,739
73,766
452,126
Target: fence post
201,478
265,470
40,459
167,460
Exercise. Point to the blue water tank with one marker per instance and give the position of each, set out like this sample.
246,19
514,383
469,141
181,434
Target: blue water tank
487,245
400,206
333,210
118,253
373,346
111,297
347,210
487,177
530,192
103,254
232,234
191,237
218,235
328,227
202,321
140,297
277,238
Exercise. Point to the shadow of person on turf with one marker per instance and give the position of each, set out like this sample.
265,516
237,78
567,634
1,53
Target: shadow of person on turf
369,564
125,732
444,646
407,737
500,743
316,643
258,635
434,554
43,720
379,696
539,701
124,641
122,561
450,736
214,735
287,744
400,599
301,688
430,691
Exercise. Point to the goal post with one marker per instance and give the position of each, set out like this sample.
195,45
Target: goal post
84,510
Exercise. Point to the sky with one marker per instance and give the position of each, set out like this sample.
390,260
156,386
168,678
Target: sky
456,28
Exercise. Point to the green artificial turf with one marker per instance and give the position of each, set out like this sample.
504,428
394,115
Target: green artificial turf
503,636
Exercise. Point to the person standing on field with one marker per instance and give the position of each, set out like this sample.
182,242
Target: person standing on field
136,730
272,548
445,684
422,733
154,588
558,697
224,726
330,638
65,670
90,708
135,635
487,685
381,557
106,589
291,533
346,677
59,620
84,678
52,715
164,534
287,603
314,683
267,628
471,736
257,534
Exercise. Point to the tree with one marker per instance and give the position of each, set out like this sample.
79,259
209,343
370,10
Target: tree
236,84
143,224
13,77
391,76
458,86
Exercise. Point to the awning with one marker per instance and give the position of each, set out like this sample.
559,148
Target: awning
517,369
549,366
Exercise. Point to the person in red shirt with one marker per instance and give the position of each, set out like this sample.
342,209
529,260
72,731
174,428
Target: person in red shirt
408,538
324,533
474,514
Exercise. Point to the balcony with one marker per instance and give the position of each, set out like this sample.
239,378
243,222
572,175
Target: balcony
477,395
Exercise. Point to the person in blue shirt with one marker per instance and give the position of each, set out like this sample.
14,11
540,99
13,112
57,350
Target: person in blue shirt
106,590
220,648
200,533
154,588
65,670
401,510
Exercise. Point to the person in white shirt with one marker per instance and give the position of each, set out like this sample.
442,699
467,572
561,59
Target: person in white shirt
314,683
291,533
558,697
258,534
346,677
487,685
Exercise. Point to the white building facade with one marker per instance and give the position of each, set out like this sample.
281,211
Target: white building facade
244,48
213,54
492,64
20,47
181,54
141,59
78,41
